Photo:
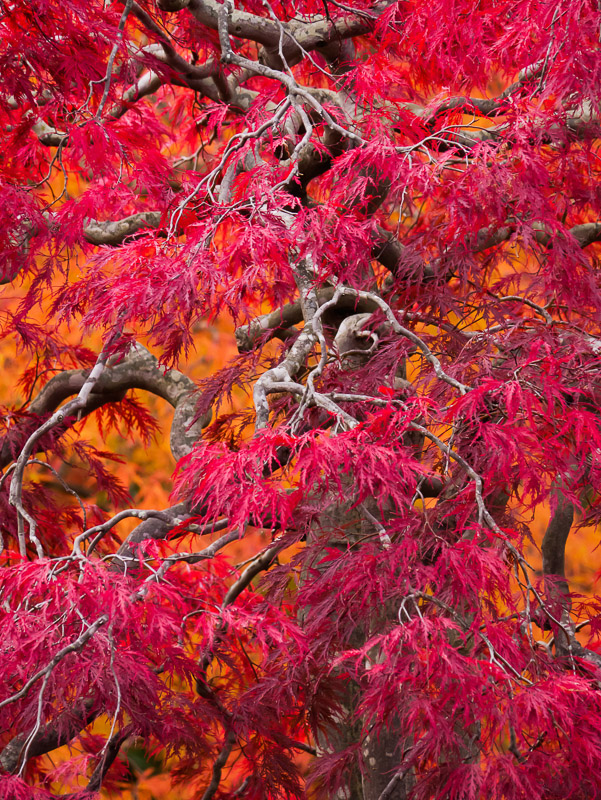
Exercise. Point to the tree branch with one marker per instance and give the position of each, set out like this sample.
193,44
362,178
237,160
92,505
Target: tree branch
298,36
279,323
218,766
51,736
110,753
138,370
553,549
114,232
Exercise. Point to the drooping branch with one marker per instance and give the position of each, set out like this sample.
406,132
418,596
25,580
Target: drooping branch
218,766
67,724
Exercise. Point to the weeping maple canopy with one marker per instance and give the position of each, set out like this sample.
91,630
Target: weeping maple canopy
398,206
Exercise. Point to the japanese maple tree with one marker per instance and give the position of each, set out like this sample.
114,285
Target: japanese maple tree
398,206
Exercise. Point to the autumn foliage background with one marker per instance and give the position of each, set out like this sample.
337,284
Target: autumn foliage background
348,254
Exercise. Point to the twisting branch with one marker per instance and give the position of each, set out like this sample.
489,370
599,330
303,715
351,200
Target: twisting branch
429,356
279,323
300,36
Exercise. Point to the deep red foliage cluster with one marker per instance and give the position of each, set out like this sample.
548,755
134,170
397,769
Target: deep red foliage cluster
398,204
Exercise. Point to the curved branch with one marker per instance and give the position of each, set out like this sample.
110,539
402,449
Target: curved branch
138,370
260,564
153,528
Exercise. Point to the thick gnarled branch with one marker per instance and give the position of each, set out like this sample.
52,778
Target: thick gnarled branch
138,370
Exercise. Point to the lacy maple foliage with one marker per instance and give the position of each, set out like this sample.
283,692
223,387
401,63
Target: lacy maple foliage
398,205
